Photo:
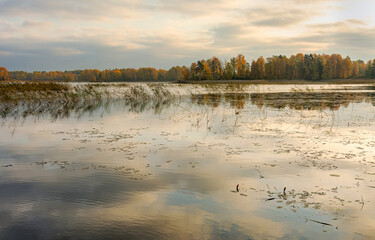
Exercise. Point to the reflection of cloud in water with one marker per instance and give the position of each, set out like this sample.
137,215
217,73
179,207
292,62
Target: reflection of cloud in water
166,169
293,100
106,200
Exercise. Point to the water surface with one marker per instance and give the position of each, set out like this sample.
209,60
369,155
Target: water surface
169,169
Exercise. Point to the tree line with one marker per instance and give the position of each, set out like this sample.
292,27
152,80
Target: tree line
312,67
95,75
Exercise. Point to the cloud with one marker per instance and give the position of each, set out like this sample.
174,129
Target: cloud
35,24
66,51
69,9
196,7
357,22
97,10
341,34
58,35
5,53
277,17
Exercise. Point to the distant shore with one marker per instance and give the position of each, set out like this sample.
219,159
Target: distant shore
302,82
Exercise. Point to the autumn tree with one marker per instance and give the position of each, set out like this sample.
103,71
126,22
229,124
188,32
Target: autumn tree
129,74
362,68
257,69
200,67
372,69
105,75
4,75
19,75
369,69
300,61
355,70
254,70
228,71
216,68
174,74
347,68
206,71
291,68
90,75
311,70
275,68
116,75
36,76
194,71
161,75
260,68
203,70
185,73
241,66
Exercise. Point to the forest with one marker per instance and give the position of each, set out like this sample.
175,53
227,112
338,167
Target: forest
311,67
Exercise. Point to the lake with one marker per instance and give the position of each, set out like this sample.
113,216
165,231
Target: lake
257,162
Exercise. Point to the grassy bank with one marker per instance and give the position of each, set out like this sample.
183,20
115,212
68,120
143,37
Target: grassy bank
37,91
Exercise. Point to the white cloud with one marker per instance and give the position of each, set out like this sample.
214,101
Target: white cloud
5,53
66,51
164,33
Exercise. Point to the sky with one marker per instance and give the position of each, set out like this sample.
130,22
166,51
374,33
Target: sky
46,35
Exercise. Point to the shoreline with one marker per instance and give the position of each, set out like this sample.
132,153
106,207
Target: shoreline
282,82
248,82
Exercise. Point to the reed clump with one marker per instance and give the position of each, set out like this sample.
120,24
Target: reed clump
15,92
21,99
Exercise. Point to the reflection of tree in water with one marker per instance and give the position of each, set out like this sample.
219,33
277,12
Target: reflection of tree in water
61,109
157,105
55,109
311,100
235,100
292,100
